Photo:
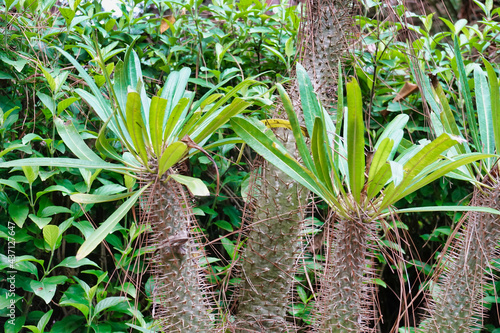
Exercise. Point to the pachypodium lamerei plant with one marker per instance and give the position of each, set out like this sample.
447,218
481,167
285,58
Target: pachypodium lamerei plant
455,299
156,134
360,198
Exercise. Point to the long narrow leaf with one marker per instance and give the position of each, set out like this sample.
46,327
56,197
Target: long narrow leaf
172,154
447,209
310,106
174,121
66,163
156,114
483,103
207,128
135,125
264,146
465,89
107,227
355,140
297,132
321,154
379,160
443,169
85,198
74,141
427,155
495,103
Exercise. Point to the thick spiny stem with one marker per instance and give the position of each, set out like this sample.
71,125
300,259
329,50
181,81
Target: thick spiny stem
346,301
456,298
180,291
270,256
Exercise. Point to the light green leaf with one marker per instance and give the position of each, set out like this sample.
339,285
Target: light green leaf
268,149
355,139
68,14
379,161
72,262
45,289
171,156
483,103
276,53
135,125
195,185
321,154
50,235
107,303
84,198
31,173
74,141
230,248
49,78
17,64
98,235
209,124
487,210
41,222
297,132
65,103
423,158
441,170
465,92
44,321
156,116
495,103
394,131
65,163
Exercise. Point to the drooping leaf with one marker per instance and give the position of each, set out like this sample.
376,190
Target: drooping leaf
74,141
270,150
107,226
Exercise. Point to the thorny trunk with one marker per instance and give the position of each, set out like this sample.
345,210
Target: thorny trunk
346,302
456,298
180,293
273,243
325,37
274,240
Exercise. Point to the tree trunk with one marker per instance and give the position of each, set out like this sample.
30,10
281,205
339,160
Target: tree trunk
455,300
270,257
180,292
346,301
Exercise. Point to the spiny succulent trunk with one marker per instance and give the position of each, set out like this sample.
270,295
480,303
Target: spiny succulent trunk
456,304
346,301
325,38
180,292
270,256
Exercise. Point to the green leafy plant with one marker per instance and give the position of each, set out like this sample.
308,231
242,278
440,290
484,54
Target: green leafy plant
335,170
156,134
466,268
